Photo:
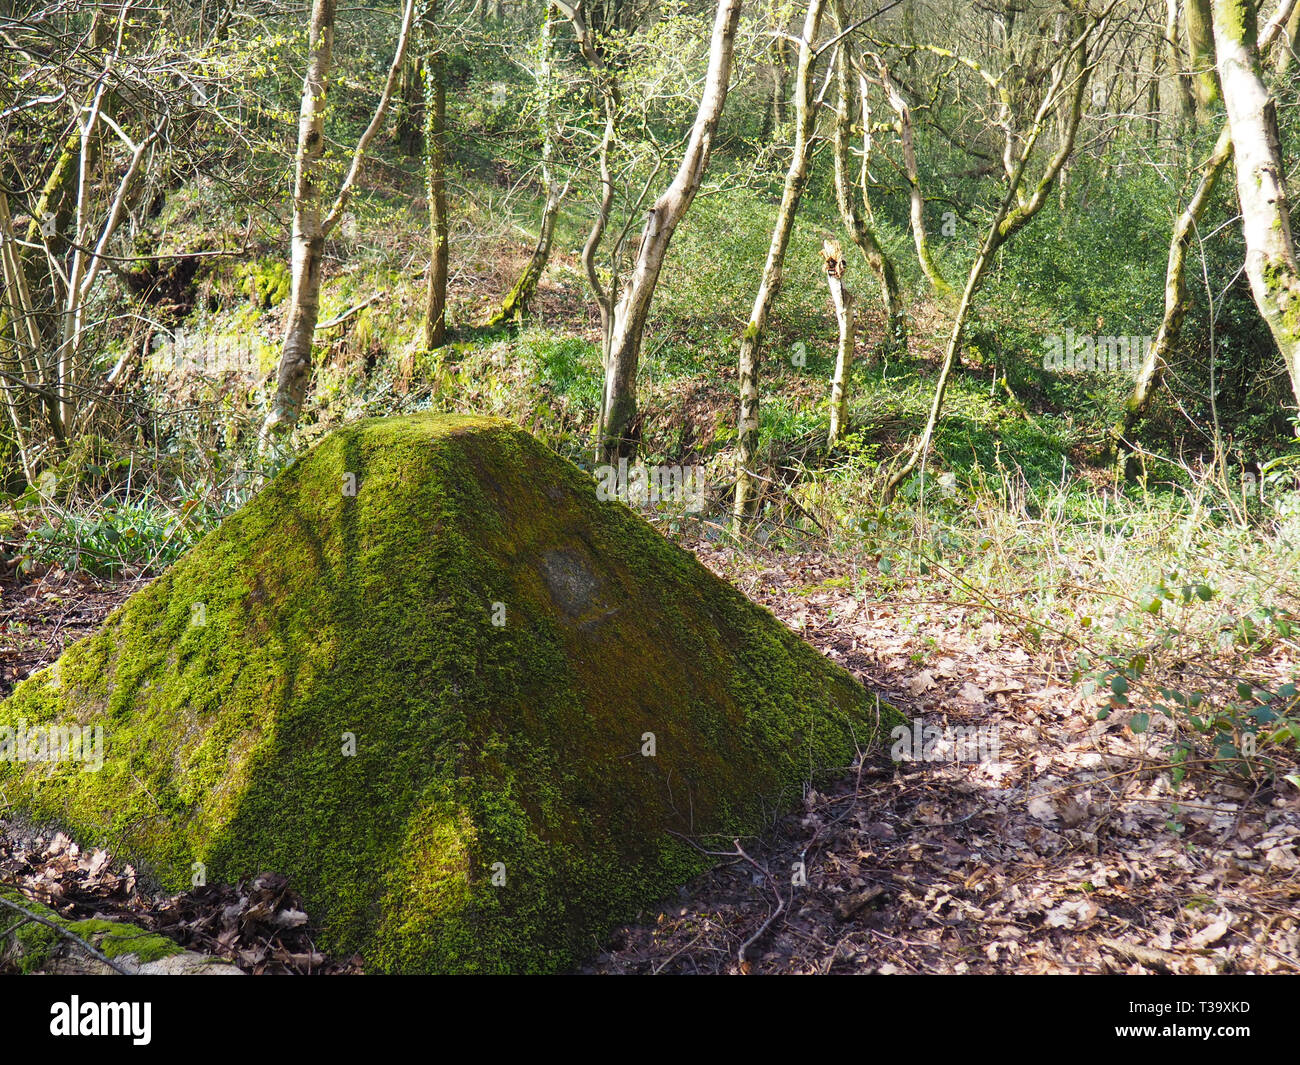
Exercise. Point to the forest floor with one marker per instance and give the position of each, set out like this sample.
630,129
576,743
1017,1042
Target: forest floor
1065,850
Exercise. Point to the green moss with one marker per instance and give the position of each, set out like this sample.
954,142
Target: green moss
265,282
497,813
33,942
116,940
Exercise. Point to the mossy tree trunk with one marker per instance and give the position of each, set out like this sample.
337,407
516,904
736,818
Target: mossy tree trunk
858,223
661,223
1171,325
435,176
751,344
55,209
1271,263
1182,82
311,223
1200,51
1066,90
516,302
916,200
1176,296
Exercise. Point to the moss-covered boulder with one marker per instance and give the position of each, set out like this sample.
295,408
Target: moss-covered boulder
476,715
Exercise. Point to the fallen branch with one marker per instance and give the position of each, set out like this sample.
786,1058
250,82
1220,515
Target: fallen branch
350,311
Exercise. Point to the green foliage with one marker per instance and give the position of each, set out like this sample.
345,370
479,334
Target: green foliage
566,367
110,538
1232,727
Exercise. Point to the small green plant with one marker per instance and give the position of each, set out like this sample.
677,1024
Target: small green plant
111,537
1232,726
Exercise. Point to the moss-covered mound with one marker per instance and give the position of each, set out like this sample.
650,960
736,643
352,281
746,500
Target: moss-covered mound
476,715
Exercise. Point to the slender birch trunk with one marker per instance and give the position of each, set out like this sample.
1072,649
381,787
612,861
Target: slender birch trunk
1200,50
751,344
311,225
604,294
857,223
661,223
833,256
1271,263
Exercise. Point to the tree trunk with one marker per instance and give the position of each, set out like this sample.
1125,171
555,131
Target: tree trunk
780,54
661,222
1016,211
408,121
916,199
858,224
604,294
516,302
1271,264
751,343
1182,81
435,130
605,95
1171,325
833,255
307,241
1290,42
310,226
1153,94
1176,298
1200,49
